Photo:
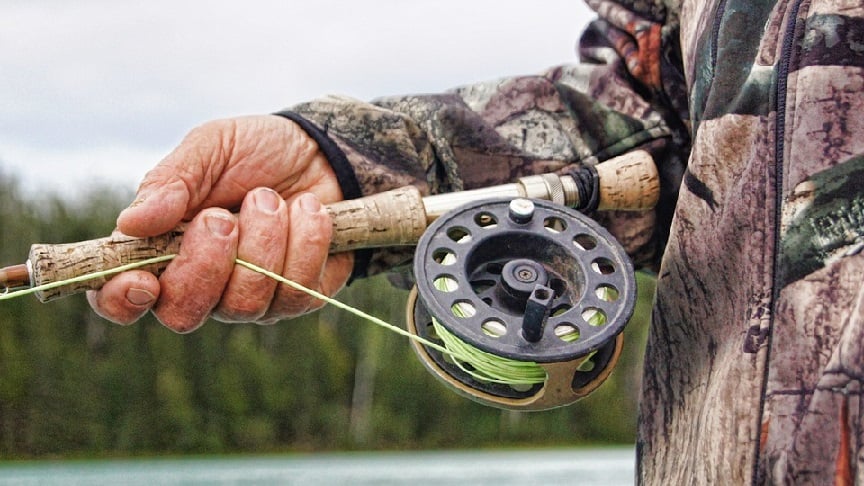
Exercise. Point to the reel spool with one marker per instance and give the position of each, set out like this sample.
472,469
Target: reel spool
524,280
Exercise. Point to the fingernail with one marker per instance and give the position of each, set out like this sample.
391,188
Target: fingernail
219,225
139,296
310,203
267,200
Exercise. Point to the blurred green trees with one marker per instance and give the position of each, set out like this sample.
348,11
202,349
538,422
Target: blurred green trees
73,384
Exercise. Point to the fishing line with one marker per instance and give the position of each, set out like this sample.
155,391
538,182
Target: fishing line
7,295
484,366
479,364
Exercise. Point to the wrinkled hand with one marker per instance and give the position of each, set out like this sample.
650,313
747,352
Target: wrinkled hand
272,174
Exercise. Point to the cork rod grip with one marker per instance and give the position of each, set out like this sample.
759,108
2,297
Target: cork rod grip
390,218
628,182
54,263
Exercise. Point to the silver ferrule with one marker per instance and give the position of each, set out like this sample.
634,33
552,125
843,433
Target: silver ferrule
548,187
439,204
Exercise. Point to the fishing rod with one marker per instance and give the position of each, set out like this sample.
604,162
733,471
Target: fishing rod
514,274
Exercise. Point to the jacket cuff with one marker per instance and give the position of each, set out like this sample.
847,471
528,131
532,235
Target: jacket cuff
345,176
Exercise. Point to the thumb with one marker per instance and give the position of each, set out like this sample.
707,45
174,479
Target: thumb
158,207
179,182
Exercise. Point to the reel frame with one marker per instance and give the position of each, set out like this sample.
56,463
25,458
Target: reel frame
528,280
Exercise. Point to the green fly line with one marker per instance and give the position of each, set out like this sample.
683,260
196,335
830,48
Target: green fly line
484,366
481,365
83,278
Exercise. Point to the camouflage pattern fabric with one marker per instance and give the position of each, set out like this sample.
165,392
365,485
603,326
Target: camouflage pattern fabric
752,373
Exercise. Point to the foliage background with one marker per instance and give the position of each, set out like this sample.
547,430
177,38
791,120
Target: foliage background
72,384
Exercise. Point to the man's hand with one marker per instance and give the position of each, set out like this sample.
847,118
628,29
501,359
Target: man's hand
251,188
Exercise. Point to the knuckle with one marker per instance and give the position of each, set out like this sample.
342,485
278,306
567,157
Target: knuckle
320,235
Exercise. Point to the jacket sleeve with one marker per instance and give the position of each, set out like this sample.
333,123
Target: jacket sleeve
614,101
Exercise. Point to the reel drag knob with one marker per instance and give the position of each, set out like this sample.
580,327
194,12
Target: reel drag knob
528,297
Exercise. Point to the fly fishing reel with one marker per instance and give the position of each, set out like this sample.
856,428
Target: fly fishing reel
536,290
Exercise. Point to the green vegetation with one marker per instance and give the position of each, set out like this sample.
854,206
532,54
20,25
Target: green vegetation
72,384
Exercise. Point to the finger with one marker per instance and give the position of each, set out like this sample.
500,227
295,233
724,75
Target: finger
306,255
337,269
194,281
336,272
177,185
126,297
263,224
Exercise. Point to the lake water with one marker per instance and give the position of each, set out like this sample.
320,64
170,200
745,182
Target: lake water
607,467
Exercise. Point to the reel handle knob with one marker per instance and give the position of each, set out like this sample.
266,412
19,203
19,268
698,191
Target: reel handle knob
536,313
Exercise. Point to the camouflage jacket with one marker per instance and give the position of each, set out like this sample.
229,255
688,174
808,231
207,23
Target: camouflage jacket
749,108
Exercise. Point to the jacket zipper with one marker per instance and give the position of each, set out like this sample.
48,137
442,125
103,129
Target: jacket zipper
715,32
781,90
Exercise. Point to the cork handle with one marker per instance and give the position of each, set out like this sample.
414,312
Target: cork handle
390,218
629,182
387,219
54,263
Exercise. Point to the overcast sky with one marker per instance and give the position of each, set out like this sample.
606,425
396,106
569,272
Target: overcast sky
100,90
